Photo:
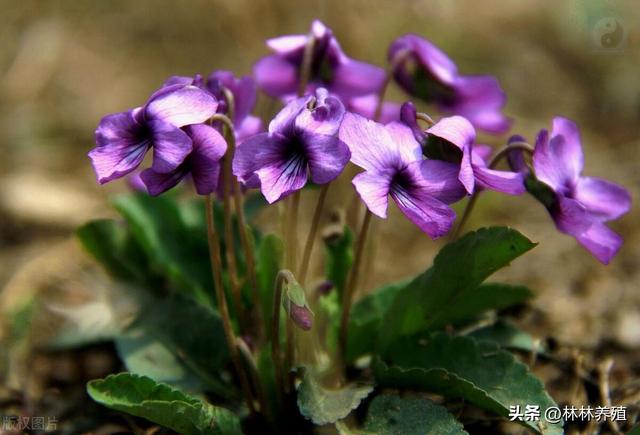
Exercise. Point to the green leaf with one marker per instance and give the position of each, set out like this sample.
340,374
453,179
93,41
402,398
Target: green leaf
296,295
143,397
323,405
390,414
19,320
266,371
192,213
327,319
366,317
196,331
339,257
509,336
459,267
191,333
146,355
344,429
113,246
461,367
269,261
174,250
474,301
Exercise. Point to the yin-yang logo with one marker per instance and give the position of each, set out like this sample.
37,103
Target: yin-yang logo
608,33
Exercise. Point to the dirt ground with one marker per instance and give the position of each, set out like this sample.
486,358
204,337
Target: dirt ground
64,64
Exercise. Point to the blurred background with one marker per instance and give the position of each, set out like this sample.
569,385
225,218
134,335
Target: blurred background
65,64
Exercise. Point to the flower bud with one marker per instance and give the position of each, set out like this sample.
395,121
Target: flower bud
295,304
301,316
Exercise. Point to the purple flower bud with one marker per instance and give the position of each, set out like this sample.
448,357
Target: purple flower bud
516,157
295,304
301,316
409,117
423,70
325,287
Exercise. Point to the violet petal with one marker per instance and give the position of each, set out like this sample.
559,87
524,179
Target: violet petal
601,241
326,116
373,189
603,198
440,180
245,162
121,146
180,107
327,157
479,99
354,78
170,146
275,76
430,215
281,171
208,149
158,183
511,183
370,144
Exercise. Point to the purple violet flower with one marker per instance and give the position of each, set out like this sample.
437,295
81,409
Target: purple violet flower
135,183
367,105
302,141
393,164
124,138
244,96
578,205
243,90
452,140
203,163
279,74
425,71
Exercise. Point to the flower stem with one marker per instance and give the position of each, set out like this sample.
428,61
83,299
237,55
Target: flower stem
245,240
216,267
228,223
276,353
252,368
347,297
465,216
426,118
288,356
381,95
231,104
308,246
250,259
291,229
502,153
305,67
399,57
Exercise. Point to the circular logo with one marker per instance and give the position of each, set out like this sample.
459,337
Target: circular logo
608,33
